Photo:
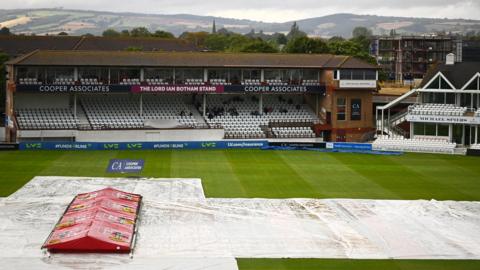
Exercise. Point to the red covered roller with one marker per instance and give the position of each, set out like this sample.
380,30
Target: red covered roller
99,221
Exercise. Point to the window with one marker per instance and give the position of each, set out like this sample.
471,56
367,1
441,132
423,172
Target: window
442,130
418,128
165,74
450,98
355,109
218,74
251,74
357,74
310,74
99,73
277,74
341,109
117,75
182,74
430,129
370,74
345,74
59,73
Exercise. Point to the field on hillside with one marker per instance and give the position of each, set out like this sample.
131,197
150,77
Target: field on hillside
279,174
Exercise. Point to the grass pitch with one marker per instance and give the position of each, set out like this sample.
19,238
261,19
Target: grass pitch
279,174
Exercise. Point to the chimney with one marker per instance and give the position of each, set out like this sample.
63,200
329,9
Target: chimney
450,60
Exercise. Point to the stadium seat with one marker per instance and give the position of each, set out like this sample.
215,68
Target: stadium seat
417,144
241,119
46,118
436,109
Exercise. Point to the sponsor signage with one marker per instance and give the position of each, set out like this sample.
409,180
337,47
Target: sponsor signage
443,119
356,146
171,88
298,144
473,152
356,109
73,88
275,88
8,146
177,88
358,84
141,145
125,165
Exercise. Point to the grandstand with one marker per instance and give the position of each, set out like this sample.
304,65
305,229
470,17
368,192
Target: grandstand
246,96
446,115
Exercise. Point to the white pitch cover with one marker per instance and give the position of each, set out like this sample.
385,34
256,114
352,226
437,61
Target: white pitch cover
181,229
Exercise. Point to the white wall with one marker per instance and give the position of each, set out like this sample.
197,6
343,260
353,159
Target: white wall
128,135
2,134
31,100
150,135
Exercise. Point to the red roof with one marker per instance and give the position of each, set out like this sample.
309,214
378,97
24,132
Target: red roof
99,221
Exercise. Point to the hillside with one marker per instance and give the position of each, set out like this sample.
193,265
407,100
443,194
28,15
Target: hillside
76,22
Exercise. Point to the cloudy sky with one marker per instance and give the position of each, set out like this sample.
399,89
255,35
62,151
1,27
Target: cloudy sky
270,10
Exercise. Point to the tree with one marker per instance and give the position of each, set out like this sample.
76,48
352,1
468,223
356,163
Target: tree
352,48
306,45
336,38
163,34
197,38
5,31
125,33
280,38
140,32
134,49
217,42
258,46
295,32
110,33
361,31
63,34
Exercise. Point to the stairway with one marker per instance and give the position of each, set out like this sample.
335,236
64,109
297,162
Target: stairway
197,115
82,119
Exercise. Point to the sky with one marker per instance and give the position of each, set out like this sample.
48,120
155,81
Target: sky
270,10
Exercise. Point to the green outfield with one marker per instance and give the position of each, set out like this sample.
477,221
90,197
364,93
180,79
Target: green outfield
279,174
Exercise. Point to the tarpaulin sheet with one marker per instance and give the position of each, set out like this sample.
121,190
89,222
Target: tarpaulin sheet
97,221
177,221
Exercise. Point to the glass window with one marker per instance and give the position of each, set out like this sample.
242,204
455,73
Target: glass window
418,128
357,74
341,108
345,74
251,74
450,98
277,74
218,74
182,74
30,72
235,76
370,74
295,76
430,129
118,75
442,130
356,109
53,74
439,98
310,74
165,74
99,73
